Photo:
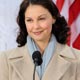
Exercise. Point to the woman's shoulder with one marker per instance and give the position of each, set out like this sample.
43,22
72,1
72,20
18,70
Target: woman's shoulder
76,52
13,52
68,52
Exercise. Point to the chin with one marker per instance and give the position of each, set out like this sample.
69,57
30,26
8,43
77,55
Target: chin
38,39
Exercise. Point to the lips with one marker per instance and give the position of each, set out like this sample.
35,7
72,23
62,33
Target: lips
38,32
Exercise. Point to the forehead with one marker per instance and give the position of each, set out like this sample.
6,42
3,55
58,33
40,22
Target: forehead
36,10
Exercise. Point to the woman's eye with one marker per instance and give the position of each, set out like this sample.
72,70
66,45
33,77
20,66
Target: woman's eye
29,20
42,18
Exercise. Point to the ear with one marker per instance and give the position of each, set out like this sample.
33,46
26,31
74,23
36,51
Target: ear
53,21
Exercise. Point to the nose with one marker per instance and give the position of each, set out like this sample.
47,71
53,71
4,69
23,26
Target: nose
36,25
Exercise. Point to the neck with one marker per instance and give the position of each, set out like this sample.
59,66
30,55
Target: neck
42,45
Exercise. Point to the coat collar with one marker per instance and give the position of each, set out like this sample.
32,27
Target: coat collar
62,50
59,63
22,63
65,51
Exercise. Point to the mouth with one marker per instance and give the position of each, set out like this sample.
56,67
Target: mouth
38,32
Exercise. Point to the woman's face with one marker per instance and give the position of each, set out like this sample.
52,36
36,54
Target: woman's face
38,22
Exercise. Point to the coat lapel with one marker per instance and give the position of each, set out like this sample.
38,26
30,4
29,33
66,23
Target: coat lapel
22,64
59,63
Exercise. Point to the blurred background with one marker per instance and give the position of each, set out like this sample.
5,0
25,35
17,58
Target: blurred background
8,26
70,9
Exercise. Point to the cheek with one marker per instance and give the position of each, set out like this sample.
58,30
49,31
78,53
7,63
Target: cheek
47,26
28,28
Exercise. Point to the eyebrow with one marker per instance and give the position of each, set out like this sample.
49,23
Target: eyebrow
38,16
42,15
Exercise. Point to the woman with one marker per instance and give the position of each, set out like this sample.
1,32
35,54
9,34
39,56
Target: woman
43,29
